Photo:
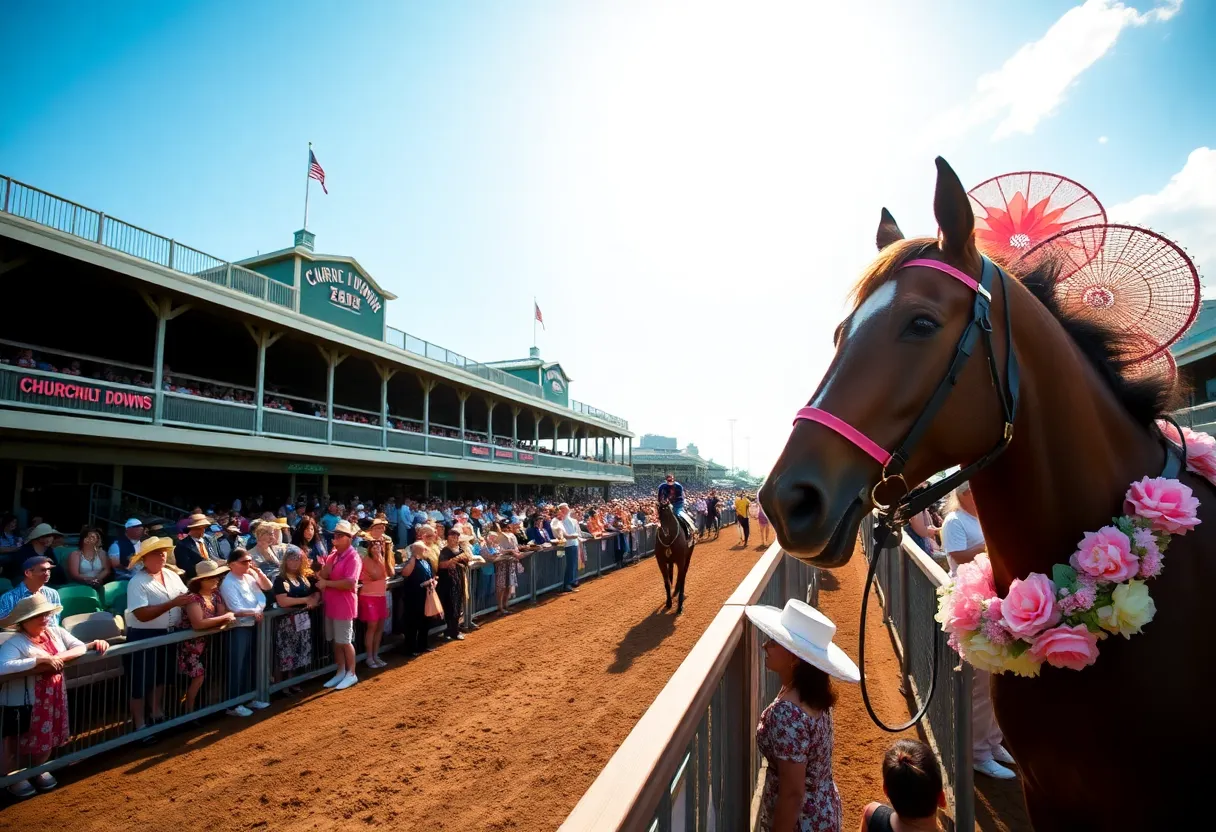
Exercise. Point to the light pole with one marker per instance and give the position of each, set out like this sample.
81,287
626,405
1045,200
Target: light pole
732,445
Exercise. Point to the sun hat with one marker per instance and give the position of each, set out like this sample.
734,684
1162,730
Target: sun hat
379,520
343,527
807,633
197,520
152,544
282,523
42,530
133,523
207,569
31,606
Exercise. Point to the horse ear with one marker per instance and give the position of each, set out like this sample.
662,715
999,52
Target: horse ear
888,231
952,208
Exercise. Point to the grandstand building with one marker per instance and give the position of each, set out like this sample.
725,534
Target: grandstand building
1195,354
278,374
651,464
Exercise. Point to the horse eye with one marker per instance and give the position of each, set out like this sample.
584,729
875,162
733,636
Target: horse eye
921,327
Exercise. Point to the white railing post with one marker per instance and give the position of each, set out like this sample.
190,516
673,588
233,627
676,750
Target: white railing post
101,228
172,251
8,193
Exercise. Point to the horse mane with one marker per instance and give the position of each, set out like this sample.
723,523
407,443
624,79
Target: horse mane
1146,398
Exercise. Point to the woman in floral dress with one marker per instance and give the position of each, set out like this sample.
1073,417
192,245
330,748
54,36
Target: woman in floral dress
295,587
205,610
795,731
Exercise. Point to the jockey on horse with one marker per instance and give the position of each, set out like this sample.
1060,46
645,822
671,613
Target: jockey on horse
673,492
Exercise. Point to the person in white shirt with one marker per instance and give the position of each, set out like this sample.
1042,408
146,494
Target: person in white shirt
567,530
244,591
963,539
155,598
123,548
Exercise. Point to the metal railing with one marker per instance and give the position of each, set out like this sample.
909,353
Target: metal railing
36,205
691,761
1201,417
110,507
239,667
46,209
80,396
908,580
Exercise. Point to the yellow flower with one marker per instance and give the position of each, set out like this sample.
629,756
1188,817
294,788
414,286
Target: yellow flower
1130,609
983,654
1023,665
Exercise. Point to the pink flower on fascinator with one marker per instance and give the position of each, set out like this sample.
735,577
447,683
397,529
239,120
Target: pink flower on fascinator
1168,504
975,578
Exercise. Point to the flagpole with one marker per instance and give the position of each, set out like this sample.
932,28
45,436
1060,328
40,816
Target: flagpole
534,320
307,183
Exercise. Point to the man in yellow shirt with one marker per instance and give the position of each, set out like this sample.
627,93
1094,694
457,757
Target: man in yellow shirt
742,506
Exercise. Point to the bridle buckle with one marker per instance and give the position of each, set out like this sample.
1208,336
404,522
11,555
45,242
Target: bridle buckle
885,508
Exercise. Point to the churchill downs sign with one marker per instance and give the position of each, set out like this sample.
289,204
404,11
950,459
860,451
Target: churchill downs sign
342,295
346,288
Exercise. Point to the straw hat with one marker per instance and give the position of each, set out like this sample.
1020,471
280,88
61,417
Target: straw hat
152,544
807,633
345,528
31,606
379,520
197,520
42,530
207,569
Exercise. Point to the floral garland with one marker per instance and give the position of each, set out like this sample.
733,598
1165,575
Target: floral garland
1101,591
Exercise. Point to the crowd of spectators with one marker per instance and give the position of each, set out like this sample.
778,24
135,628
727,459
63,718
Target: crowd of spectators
218,569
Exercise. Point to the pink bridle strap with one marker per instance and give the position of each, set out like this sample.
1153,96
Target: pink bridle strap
843,428
814,414
946,268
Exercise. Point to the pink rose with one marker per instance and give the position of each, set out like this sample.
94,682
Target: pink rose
1030,606
961,612
1073,647
1168,504
975,578
1200,450
1106,555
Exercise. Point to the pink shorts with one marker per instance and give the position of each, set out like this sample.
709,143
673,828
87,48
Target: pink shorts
373,608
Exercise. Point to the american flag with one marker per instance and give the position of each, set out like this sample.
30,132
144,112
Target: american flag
315,171
539,317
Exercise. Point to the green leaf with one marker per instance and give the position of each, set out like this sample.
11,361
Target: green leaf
1090,618
1064,577
1125,525
1017,648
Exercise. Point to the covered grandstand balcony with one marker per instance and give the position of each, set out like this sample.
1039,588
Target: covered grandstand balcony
89,341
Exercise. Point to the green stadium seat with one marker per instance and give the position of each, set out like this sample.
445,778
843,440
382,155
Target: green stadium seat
78,598
114,597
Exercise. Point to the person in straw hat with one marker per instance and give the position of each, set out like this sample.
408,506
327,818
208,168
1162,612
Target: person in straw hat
155,598
197,546
39,542
35,707
795,731
205,610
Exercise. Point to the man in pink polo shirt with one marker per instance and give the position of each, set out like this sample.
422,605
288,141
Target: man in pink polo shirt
338,584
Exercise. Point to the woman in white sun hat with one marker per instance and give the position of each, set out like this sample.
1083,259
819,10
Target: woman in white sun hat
795,731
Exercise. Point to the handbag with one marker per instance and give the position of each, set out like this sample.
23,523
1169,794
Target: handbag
432,608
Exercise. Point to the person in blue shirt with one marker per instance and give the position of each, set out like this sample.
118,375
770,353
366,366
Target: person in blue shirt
673,492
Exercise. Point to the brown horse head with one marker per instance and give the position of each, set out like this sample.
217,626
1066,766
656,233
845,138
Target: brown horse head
893,350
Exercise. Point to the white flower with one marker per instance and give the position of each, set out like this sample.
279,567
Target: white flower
1130,609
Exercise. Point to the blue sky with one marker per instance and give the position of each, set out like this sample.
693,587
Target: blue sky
687,188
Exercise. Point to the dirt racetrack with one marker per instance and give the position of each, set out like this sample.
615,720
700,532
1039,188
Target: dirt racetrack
504,730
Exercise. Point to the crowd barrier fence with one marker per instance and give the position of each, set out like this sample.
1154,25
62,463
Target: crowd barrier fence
691,761
907,582
99,687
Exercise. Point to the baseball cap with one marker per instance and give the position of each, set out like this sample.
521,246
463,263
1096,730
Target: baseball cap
36,560
132,523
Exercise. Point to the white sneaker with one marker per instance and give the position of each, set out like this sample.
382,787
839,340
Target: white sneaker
994,770
22,788
239,710
350,680
258,704
1002,756
45,781
334,681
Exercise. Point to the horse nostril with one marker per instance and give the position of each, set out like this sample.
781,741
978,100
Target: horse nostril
803,506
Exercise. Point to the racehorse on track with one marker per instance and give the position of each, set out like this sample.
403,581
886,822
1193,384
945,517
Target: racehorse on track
673,550
1120,744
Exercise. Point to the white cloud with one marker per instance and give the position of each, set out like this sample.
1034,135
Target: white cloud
1033,82
1102,140
1184,210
